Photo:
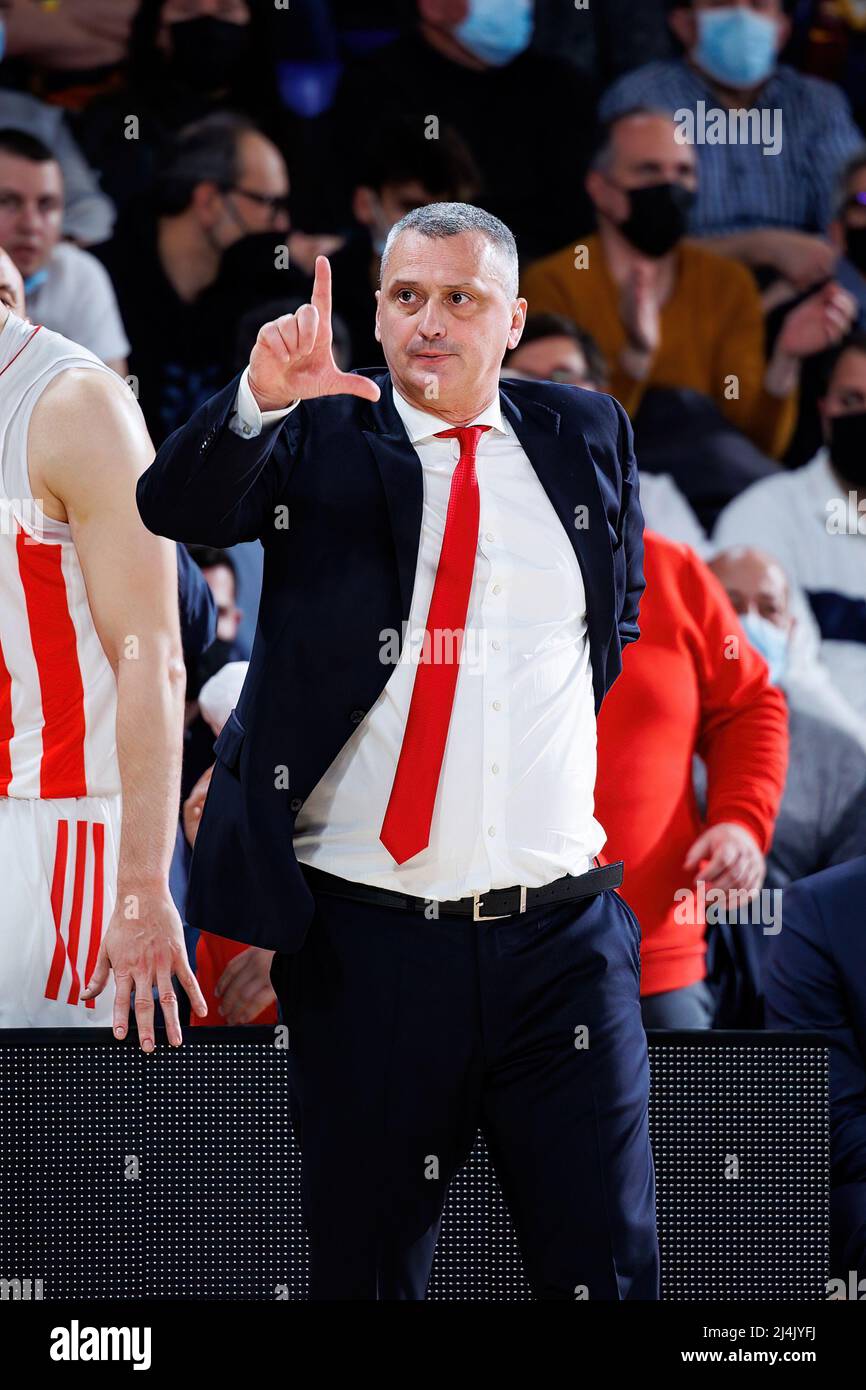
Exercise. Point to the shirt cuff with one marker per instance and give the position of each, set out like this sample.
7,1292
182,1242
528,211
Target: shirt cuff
248,420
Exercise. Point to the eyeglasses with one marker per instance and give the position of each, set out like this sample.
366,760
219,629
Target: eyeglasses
276,202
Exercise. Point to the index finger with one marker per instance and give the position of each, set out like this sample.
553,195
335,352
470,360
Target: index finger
321,296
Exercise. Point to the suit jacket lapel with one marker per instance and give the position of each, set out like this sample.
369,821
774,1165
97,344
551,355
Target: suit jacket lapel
401,474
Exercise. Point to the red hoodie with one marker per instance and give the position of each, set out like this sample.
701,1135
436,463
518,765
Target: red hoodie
692,684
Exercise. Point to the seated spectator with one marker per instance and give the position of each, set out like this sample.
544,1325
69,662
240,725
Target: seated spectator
469,63
67,289
848,231
218,569
816,981
553,348
189,262
88,215
187,59
822,819
680,695
848,235
11,286
673,317
762,595
234,979
401,170
767,210
813,521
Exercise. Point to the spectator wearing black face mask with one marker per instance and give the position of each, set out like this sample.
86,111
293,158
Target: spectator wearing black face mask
188,262
188,58
681,327
848,231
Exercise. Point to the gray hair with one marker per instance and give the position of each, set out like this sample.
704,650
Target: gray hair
843,183
450,219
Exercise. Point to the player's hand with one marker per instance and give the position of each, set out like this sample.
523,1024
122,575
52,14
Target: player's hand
293,357
733,859
244,988
144,951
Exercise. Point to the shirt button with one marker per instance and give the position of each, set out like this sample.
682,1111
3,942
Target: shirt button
246,429
497,588
497,704
494,767
489,536
496,645
491,830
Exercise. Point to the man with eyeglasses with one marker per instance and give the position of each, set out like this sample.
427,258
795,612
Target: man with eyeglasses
196,254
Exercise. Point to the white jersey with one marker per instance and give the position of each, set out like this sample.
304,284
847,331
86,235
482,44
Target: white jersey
58,693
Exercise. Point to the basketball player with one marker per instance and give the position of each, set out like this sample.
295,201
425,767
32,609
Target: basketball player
91,702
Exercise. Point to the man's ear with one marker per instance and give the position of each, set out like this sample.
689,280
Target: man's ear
376,334
684,25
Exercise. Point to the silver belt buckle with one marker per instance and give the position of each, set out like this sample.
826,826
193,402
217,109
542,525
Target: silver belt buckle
497,916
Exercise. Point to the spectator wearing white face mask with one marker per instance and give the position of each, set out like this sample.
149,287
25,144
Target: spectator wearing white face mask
822,818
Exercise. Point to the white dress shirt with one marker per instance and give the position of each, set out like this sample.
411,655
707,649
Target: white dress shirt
515,798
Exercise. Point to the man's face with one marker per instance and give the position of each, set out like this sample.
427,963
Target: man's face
31,210
755,583
645,151
556,358
248,207
445,320
11,286
846,394
221,583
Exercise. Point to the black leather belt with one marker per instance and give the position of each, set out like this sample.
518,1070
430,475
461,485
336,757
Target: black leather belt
481,907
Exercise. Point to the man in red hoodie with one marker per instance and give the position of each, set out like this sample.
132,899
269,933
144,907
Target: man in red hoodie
692,685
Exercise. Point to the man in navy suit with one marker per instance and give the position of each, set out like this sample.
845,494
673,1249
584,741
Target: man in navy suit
816,980
402,803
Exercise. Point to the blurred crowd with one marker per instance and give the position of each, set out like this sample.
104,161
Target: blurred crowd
686,181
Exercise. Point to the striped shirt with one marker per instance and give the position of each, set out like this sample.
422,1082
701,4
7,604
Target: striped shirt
58,694
740,187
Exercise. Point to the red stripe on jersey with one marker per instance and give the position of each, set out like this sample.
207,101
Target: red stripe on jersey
57,892
21,349
6,729
52,636
96,913
75,912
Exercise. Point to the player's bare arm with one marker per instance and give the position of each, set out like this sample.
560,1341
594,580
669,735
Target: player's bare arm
87,447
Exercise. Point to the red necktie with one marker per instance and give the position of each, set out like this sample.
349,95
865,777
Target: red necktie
406,827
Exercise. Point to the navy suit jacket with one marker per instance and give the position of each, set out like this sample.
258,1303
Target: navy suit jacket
335,494
816,980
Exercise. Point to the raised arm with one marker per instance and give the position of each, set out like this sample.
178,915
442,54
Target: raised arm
87,446
215,481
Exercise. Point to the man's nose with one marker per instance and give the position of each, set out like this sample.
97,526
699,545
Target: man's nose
431,321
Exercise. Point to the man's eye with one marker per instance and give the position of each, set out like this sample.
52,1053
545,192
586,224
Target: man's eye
404,296
458,294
